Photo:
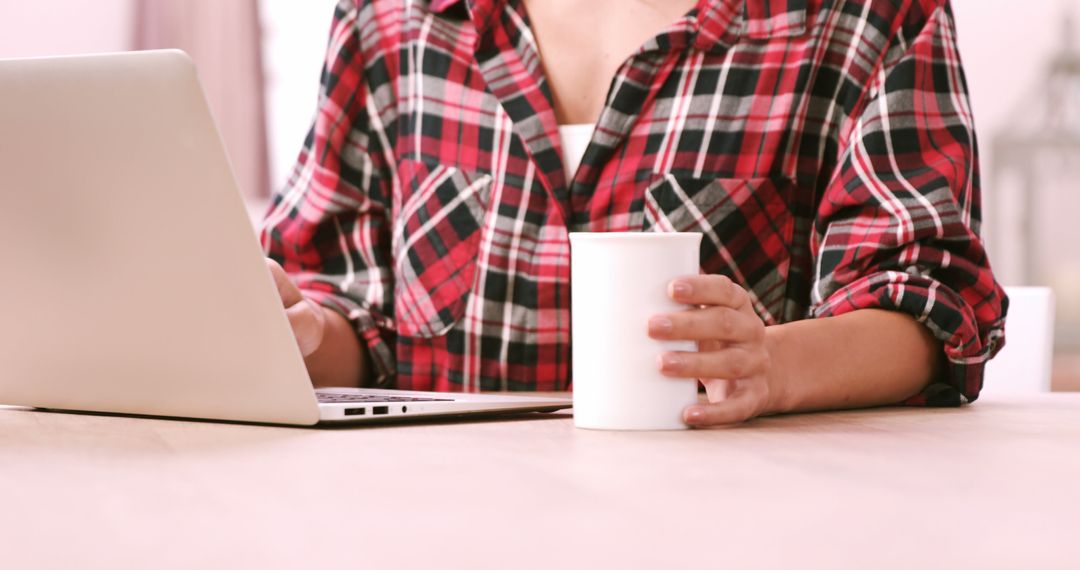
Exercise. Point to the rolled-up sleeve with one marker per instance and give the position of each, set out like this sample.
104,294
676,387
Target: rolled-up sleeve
898,225
328,227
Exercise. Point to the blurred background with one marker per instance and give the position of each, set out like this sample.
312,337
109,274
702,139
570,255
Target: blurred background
259,61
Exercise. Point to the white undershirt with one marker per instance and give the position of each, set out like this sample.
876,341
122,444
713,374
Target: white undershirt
575,139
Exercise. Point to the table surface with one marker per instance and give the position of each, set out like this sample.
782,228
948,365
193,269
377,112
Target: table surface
994,484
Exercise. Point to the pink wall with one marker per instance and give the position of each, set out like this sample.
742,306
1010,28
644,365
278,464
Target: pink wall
33,28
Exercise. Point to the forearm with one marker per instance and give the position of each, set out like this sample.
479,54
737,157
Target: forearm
339,361
865,358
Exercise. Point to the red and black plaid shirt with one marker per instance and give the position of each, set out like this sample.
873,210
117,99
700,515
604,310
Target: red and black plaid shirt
825,149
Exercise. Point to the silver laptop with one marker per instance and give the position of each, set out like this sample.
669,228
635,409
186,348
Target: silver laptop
133,282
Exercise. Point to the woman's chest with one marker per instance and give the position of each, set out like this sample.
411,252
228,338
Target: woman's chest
690,116
582,44
685,142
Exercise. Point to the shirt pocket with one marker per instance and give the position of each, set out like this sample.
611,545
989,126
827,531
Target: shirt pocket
747,226
436,242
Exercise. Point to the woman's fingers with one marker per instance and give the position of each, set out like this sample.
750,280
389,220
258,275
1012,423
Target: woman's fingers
308,323
306,317
709,290
712,323
746,402
733,362
290,294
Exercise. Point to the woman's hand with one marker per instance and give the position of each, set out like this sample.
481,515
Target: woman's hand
331,349
307,318
732,361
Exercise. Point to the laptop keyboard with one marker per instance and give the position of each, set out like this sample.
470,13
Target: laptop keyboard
331,398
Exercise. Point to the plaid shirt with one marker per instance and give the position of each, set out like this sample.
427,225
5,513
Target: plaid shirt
825,149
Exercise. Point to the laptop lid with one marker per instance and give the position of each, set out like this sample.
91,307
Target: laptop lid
133,282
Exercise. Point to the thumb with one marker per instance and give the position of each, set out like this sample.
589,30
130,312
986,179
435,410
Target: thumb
290,294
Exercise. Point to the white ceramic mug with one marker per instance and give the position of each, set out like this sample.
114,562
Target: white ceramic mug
618,281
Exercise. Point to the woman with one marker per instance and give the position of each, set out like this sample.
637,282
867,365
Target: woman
826,146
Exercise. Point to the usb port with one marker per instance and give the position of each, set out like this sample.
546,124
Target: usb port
380,410
355,411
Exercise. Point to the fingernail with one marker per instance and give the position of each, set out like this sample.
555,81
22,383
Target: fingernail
660,325
694,415
670,361
681,289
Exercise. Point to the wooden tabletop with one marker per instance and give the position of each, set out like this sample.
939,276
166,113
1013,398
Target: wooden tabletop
992,485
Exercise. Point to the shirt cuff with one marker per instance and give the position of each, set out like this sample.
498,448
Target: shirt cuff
379,340
968,343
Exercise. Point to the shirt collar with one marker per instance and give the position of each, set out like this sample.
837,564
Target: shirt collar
480,11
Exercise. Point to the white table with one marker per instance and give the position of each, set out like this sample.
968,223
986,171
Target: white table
993,485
